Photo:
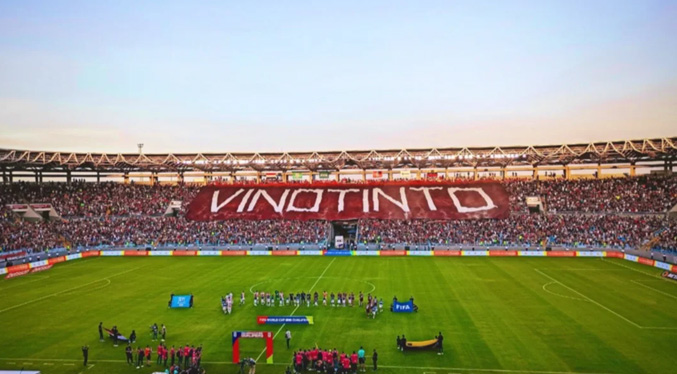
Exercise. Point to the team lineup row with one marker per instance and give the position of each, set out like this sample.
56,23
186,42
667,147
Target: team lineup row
277,298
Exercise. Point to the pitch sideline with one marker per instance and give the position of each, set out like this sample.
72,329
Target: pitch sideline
508,371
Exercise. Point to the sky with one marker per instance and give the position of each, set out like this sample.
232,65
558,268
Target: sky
228,76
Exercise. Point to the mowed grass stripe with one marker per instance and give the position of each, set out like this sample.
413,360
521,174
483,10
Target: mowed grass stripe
531,321
493,311
472,329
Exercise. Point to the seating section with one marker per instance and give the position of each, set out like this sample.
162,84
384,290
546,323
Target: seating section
526,230
155,231
82,199
614,195
622,212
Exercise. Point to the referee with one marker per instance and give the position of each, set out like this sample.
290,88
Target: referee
287,336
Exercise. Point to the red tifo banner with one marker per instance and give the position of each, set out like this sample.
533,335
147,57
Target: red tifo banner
341,201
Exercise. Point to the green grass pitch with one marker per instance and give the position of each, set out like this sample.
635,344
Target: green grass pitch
498,315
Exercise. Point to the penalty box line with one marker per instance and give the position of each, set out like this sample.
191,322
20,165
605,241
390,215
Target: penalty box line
297,307
65,291
590,300
607,308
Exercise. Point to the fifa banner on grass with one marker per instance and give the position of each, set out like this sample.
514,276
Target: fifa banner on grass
181,301
340,201
399,307
285,320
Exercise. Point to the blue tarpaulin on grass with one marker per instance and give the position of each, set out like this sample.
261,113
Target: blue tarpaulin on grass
181,301
399,307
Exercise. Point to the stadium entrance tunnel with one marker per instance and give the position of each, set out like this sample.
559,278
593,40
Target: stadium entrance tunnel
343,234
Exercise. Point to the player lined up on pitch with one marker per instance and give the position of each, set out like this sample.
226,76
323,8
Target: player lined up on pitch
331,361
339,299
227,302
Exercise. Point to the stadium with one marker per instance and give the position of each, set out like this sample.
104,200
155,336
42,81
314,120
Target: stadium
532,256
430,187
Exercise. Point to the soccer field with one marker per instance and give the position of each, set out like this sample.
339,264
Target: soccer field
498,315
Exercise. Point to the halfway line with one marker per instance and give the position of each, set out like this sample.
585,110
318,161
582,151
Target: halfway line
297,307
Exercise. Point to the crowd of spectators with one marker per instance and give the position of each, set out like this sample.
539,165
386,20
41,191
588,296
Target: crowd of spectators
82,199
617,231
609,212
644,194
526,230
157,231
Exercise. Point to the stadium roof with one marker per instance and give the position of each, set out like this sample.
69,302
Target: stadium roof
612,152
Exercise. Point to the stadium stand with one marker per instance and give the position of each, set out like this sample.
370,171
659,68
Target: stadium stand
80,199
646,194
614,213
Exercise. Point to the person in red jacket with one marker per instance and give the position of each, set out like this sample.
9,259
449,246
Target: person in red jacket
160,349
165,355
353,362
313,355
148,352
345,364
299,362
308,362
187,356
330,359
